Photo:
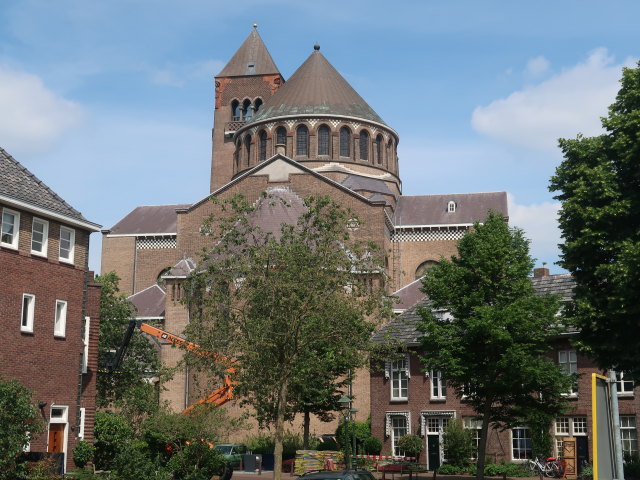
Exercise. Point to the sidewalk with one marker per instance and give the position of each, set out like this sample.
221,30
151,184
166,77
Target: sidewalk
268,475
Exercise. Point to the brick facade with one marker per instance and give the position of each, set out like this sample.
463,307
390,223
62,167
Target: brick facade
50,365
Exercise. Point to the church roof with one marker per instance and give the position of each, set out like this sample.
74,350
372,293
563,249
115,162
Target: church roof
149,220
252,58
317,88
432,209
17,184
408,296
358,183
149,302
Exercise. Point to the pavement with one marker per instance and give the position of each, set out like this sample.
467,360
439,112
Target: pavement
268,475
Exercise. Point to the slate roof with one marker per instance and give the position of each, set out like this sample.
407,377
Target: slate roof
357,183
181,269
432,209
252,52
148,220
149,302
408,295
403,327
316,88
19,184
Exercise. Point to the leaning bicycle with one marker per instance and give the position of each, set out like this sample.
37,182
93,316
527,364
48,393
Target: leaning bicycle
551,467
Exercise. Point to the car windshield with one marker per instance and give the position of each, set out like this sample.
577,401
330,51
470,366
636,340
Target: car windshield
224,449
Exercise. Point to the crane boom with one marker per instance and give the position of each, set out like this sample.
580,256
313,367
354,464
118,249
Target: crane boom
218,397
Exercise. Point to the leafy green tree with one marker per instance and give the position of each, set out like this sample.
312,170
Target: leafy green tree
598,184
19,423
284,302
113,434
493,348
411,444
125,388
458,444
83,453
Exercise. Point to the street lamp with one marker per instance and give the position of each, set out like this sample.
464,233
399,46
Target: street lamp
349,413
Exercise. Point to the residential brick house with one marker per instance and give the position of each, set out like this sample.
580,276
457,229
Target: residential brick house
406,398
49,307
310,135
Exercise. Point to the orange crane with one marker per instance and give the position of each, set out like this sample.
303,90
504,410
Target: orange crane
219,396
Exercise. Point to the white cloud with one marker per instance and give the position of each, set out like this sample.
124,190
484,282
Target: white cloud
537,66
564,105
540,224
33,117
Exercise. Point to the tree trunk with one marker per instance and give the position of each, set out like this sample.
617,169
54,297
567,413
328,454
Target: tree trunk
305,431
484,436
279,433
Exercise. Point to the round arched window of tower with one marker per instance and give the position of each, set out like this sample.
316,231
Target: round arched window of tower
364,145
323,140
379,153
257,104
262,146
281,136
424,266
236,113
302,141
247,110
345,142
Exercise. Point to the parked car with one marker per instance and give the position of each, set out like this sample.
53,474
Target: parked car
338,475
232,452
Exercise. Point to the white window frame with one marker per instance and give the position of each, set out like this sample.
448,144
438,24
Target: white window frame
451,206
72,248
624,387
45,236
438,386
83,414
570,366
397,422
60,318
474,425
399,375
29,315
519,458
85,343
629,434
16,229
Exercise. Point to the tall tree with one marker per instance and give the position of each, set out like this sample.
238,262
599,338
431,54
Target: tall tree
598,184
492,346
284,304
125,388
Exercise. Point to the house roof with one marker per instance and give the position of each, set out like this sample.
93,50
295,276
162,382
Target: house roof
181,269
18,185
432,209
359,183
403,327
155,219
252,58
408,295
149,302
316,88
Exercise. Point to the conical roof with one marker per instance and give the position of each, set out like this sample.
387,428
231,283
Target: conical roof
252,58
317,88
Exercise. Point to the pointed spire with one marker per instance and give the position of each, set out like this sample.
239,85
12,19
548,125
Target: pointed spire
317,88
252,58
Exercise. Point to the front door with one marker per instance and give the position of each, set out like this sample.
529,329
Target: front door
56,437
433,451
582,451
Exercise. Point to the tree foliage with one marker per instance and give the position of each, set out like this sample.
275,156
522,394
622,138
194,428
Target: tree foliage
458,443
598,184
288,306
492,348
126,388
19,422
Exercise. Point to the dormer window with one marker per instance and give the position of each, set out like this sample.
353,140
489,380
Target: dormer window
451,207
251,68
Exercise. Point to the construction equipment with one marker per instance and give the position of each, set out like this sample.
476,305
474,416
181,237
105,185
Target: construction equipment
218,397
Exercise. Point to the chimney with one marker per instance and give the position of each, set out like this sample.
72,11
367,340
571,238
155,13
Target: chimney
541,271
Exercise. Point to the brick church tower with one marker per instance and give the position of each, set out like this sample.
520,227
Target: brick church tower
244,84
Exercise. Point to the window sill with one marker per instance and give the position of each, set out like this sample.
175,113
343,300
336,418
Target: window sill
26,331
399,400
8,245
438,400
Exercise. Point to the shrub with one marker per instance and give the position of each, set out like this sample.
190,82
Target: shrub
260,444
83,453
448,469
137,462
112,435
587,472
631,467
458,443
372,446
411,444
196,462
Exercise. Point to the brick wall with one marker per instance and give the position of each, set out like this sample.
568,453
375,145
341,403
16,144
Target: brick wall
118,254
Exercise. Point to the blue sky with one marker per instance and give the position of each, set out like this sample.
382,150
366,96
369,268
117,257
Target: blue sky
110,102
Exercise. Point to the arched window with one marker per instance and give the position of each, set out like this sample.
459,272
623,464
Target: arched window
247,110
390,154
323,140
262,144
281,136
247,148
364,145
345,142
451,206
257,104
379,149
302,141
236,114
424,266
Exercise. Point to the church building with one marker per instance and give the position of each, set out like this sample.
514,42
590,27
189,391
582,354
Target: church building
311,134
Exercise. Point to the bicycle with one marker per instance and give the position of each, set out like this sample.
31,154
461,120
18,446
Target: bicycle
551,467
